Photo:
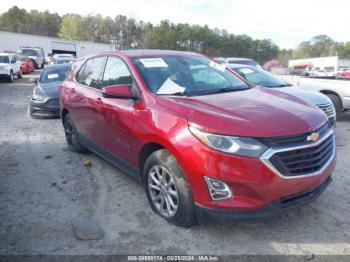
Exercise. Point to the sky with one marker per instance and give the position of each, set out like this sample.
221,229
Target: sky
285,22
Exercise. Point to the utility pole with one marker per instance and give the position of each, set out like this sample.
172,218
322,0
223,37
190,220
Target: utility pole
259,51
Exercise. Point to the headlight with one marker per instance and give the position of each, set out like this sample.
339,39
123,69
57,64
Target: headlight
38,95
243,146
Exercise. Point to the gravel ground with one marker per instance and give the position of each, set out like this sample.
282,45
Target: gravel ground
44,187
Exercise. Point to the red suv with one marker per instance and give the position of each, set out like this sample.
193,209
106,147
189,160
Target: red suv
202,141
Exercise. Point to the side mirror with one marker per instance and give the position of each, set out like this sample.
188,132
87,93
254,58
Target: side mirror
118,91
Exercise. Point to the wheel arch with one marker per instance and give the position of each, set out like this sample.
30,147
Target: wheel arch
153,146
146,151
64,113
329,92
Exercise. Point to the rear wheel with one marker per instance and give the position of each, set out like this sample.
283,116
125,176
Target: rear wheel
72,135
167,189
337,105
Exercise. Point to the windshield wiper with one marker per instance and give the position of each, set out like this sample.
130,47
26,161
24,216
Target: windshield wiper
175,94
283,85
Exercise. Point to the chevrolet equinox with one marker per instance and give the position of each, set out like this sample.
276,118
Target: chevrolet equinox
203,142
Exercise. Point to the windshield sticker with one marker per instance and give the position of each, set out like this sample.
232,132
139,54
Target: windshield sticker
52,76
153,62
217,66
170,87
246,70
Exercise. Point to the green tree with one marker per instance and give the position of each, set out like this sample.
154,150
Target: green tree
73,28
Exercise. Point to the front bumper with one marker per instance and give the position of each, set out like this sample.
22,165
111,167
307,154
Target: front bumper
48,108
283,204
254,185
4,73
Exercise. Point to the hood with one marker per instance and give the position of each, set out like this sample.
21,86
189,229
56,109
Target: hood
256,112
51,90
312,97
4,64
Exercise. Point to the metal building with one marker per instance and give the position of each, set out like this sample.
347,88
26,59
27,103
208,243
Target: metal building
13,41
329,64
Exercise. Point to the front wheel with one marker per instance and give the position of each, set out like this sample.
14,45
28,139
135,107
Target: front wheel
11,77
167,189
72,135
20,75
337,105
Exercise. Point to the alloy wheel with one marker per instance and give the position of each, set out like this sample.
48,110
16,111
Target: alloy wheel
69,132
162,190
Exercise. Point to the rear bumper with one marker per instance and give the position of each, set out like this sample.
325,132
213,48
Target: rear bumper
43,109
205,214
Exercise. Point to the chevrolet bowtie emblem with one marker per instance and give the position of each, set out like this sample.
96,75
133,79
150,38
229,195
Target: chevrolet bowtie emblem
313,137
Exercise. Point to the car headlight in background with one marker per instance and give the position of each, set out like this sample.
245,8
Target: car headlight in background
243,146
38,95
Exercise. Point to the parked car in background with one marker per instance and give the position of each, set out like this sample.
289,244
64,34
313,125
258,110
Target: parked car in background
36,54
202,141
322,74
345,73
27,65
62,60
237,60
45,102
261,77
63,55
337,91
10,66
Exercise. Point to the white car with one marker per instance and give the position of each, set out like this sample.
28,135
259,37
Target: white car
321,74
10,66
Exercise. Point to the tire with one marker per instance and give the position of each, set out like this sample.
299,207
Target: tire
337,105
11,77
20,75
42,65
71,134
173,192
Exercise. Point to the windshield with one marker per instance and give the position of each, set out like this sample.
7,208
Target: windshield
260,77
29,52
187,75
63,61
54,75
4,59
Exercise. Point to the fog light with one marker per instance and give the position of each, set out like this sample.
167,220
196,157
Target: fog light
218,190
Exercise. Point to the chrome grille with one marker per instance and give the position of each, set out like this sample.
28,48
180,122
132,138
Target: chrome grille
302,159
328,109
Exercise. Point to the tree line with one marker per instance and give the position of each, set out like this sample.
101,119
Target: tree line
128,33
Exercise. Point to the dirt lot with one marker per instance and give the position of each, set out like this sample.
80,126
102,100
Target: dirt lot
43,187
